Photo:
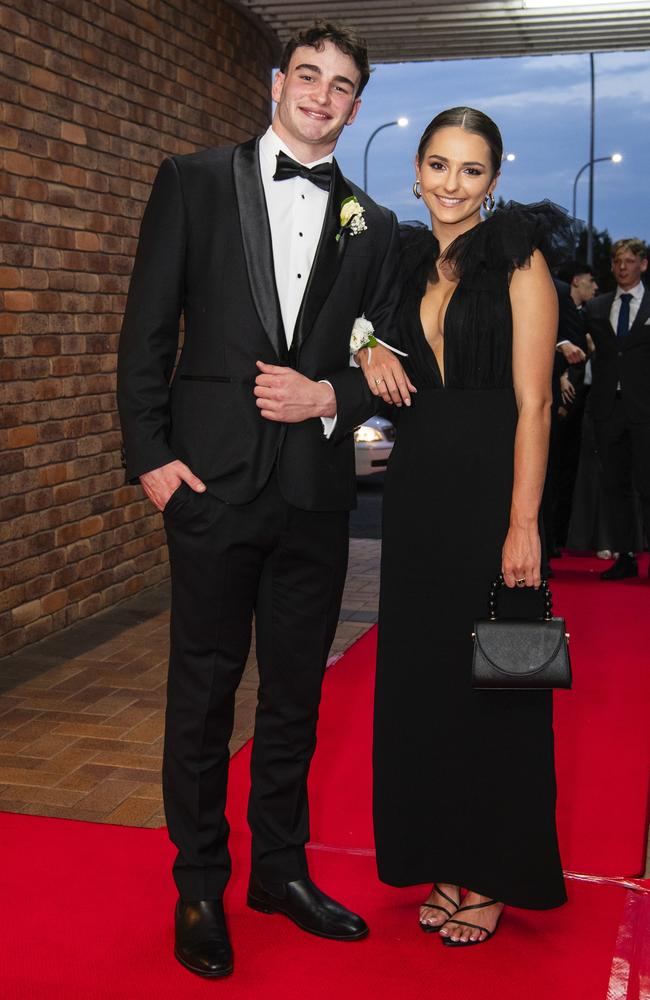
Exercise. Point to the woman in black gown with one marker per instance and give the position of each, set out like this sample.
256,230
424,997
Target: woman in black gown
464,793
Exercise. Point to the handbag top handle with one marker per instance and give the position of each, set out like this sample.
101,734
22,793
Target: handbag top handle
499,582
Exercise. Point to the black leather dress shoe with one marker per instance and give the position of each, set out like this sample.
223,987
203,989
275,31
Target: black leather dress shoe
625,565
202,942
308,907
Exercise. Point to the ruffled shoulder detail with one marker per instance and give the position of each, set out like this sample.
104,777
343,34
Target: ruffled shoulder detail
507,239
418,254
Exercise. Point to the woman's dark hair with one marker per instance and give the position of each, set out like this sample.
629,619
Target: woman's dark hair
345,39
472,121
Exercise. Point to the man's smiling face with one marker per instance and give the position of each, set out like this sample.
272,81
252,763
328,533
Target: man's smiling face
315,98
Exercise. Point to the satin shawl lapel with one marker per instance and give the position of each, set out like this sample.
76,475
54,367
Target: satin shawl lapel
327,261
642,315
256,237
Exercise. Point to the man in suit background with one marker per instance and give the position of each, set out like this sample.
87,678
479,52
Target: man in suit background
581,279
619,324
570,349
582,287
248,452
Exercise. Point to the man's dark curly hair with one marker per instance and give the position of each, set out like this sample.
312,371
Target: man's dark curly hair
344,38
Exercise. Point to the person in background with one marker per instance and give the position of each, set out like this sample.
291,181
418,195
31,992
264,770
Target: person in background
574,390
619,325
570,349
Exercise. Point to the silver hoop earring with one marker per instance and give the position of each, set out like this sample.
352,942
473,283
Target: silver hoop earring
488,202
416,190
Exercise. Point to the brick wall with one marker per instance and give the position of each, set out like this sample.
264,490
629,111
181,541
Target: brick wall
95,94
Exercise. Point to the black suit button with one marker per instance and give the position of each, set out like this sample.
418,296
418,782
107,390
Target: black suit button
620,354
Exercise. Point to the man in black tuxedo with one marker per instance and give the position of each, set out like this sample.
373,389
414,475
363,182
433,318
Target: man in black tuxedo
619,324
249,453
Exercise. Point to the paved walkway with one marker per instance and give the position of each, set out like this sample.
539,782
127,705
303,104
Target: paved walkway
81,713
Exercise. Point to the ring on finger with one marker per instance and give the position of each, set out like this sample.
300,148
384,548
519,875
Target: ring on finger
378,380
521,583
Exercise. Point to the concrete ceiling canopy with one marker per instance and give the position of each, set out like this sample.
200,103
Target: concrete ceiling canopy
412,30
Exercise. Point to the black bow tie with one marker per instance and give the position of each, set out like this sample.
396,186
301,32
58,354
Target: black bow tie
320,175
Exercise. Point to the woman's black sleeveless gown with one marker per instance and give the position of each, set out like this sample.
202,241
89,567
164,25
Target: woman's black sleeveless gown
464,782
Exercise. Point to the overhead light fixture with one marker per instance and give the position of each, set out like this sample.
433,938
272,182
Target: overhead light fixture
616,157
402,122
510,157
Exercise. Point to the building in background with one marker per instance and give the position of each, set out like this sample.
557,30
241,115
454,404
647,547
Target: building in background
93,102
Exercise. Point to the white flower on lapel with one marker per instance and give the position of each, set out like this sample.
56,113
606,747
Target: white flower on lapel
363,335
351,217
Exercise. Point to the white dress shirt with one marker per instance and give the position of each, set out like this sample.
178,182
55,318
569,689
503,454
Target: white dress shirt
635,302
296,209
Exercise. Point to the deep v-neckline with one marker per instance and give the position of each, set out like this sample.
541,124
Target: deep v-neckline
443,378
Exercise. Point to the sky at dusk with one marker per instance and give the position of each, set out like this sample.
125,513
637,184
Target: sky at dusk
541,105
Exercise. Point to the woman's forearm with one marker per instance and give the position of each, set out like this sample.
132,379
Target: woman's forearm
534,333
531,456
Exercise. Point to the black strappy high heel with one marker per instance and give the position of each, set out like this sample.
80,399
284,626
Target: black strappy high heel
430,928
465,923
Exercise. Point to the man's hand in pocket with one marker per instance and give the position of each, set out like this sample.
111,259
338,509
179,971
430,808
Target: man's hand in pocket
159,484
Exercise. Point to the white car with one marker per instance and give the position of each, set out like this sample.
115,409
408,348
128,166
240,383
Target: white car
373,443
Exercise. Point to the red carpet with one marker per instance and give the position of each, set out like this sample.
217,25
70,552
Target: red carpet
603,725
86,909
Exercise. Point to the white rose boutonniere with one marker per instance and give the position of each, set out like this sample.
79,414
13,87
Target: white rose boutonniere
351,217
363,335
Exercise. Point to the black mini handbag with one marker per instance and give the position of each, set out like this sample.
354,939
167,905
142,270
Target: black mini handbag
521,652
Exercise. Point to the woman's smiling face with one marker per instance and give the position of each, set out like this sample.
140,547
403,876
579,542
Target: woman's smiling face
455,175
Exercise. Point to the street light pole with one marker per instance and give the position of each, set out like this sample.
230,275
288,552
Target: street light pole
590,217
398,121
614,158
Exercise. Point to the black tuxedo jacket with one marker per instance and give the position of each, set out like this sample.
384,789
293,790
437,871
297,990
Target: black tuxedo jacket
617,361
570,327
205,253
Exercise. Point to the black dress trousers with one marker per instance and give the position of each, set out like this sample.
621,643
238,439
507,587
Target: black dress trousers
287,567
624,449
